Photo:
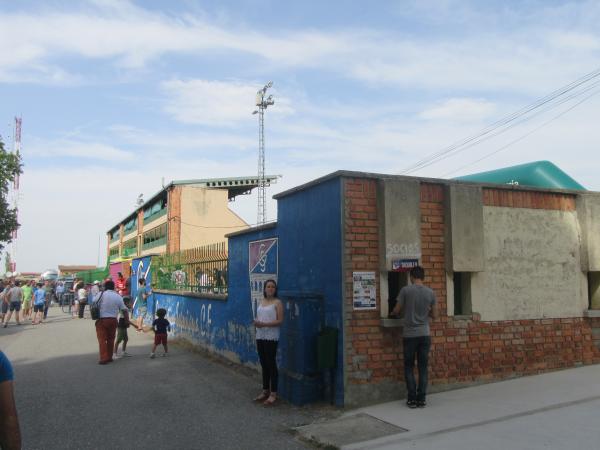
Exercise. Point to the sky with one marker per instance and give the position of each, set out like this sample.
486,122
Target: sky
117,96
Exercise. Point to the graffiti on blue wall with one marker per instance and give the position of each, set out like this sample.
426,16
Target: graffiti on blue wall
141,269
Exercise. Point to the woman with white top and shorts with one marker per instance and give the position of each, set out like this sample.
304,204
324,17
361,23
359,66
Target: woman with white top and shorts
269,316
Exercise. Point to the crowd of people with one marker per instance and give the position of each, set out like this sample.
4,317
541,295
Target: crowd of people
113,304
25,300
29,300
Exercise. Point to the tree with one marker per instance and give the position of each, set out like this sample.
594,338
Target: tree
10,166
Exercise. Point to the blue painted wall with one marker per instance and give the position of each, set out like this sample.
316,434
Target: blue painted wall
309,230
310,257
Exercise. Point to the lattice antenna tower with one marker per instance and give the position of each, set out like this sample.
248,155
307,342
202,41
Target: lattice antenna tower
14,196
262,101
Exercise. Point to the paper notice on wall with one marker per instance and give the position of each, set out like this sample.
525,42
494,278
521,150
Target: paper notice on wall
364,290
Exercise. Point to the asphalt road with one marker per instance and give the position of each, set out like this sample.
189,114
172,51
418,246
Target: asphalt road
185,401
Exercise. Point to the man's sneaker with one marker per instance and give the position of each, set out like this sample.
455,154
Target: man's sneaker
117,356
411,404
152,355
421,404
164,354
126,354
5,325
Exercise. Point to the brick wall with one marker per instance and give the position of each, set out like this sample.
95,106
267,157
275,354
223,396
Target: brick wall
140,227
463,350
371,352
174,220
528,199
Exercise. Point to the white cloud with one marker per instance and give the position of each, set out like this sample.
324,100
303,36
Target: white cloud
516,59
175,142
214,102
77,149
209,102
459,109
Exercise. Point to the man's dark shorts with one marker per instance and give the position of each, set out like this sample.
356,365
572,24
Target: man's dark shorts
15,306
38,308
4,308
122,335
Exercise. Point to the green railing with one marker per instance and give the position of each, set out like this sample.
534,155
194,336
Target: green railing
155,216
156,243
89,276
127,252
202,269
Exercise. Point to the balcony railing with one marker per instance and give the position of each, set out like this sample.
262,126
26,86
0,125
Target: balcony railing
129,252
156,243
155,216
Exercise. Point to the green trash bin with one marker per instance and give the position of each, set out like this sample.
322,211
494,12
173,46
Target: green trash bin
327,348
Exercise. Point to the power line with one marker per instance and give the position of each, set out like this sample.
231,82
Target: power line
524,136
218,227
514,124
504,122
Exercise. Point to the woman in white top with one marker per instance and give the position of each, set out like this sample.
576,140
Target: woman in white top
269,316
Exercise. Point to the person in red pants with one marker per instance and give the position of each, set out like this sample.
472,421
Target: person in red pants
110,304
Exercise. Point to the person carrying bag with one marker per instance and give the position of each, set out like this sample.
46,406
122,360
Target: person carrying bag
105,312
95,308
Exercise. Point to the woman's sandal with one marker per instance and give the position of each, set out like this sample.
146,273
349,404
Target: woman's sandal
270,401
262,397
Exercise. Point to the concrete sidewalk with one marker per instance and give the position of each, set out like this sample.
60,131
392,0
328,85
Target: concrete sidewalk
556,410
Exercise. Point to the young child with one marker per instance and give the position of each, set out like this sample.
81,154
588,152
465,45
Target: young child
122,326
160,327
39,302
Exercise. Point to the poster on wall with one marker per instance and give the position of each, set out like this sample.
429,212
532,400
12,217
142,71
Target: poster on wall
404,265
262,266
139,271
364,290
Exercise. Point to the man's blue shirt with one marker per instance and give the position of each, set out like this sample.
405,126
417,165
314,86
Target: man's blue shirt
39,297
6,371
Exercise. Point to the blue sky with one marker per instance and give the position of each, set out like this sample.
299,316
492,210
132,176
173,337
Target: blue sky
116,95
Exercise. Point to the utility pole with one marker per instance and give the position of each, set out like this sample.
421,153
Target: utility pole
262,104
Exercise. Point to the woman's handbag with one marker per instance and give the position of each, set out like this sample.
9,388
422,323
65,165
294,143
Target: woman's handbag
95,308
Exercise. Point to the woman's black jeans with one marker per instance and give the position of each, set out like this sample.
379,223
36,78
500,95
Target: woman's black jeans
81,308
267,353
419,347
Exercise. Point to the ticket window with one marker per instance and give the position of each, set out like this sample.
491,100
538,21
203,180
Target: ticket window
396,281
594,290
462,293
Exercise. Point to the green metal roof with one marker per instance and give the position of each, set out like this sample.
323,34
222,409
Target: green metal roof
543,174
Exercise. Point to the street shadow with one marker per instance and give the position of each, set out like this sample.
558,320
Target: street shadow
183,400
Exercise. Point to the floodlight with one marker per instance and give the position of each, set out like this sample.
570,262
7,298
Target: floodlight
262,104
